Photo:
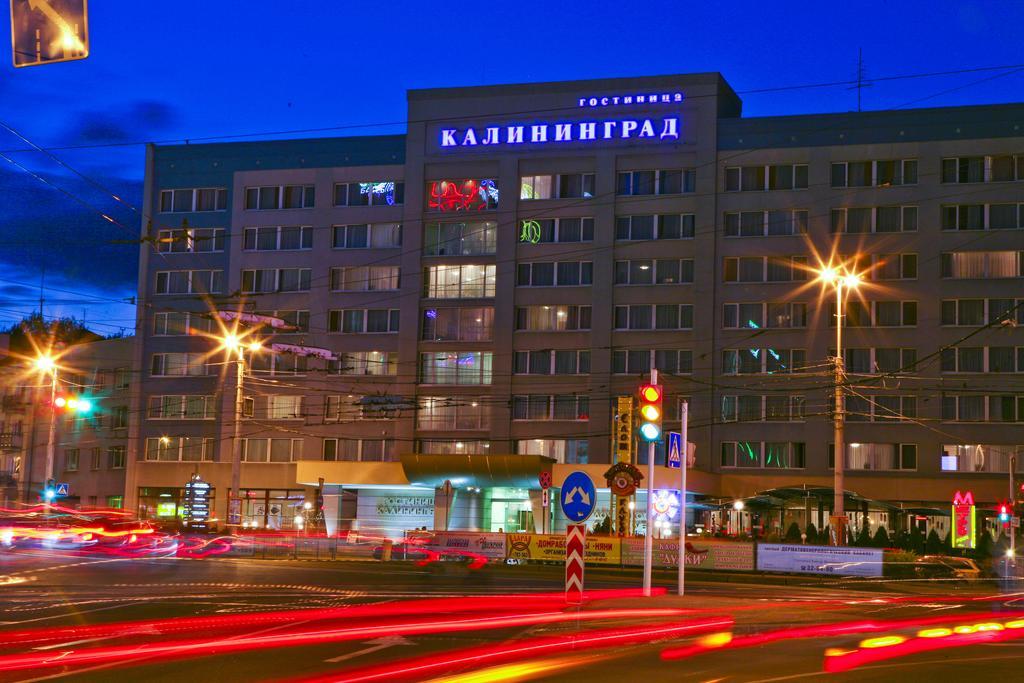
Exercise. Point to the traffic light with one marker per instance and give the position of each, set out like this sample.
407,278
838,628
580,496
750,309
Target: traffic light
651,398
72,404
1004,513
50,490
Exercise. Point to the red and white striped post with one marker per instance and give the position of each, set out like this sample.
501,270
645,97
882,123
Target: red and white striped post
575,542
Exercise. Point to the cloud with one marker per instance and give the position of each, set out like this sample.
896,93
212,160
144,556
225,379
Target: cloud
140,120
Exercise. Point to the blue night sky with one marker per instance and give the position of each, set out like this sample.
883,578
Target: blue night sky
166,71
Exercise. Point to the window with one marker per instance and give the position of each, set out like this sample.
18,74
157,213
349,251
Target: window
562,274
761,223
654,272
755,408
664,181
553,318
367,236
981,457
194,199
886,314
278,238
874,219
764,269
179,448
551,362
190,282
276,280
356,450
379,193
365,363
283,407
762,360
983,169
894,267
452,446
885,173
465,194
753,178
278,364
466,367
460,239
271,197
178,365
759,315
349,408
758,454
458,324
880,408
180,323
95,458
545,407
969,265
271,450
363,320
294,321
116,457
178,407
655,227
983,359
550,230
574,451
190,240
459,281
883,457
444,413
71,460
633,362
573,185
983,217
364,279
657,317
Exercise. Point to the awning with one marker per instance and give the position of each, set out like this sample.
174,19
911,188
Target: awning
777,497
471,469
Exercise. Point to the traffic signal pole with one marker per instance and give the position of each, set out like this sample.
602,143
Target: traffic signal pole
51,439
649,526
683,457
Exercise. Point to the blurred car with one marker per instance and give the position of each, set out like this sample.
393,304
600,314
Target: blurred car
945,567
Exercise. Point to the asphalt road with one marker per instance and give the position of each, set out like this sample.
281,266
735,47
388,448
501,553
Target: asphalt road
46,590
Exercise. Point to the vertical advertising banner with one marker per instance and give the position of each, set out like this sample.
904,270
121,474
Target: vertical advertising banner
624,429
964,535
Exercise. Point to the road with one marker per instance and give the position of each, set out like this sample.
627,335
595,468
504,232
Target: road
43,592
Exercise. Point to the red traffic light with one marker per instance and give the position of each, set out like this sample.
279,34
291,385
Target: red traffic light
650,393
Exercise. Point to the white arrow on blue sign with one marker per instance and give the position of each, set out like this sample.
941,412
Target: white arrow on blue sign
675,449
578,497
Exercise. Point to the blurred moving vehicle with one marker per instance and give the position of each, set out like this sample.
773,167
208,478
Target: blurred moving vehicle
946,567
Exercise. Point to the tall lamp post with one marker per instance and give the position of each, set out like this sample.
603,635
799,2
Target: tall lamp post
47,365
235,345
849,282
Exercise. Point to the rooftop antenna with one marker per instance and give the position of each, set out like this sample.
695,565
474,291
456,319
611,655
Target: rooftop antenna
860,76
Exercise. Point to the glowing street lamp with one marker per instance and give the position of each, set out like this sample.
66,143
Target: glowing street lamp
839,279
237,345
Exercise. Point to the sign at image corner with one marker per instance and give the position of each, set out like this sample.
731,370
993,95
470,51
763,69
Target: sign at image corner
554,133
812,559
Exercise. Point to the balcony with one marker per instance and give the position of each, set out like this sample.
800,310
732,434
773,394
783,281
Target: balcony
10,441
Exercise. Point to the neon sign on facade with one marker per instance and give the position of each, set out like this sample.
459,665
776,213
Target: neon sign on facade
545,133
963,521
615,100
468,194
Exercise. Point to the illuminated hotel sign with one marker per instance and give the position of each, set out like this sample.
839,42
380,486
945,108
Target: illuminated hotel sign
616,100
963,520
547,133
196,506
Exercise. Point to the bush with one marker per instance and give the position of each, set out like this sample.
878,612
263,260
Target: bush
793,533
898,564
863,537
916,540
812,534
901,540
933,546
881,539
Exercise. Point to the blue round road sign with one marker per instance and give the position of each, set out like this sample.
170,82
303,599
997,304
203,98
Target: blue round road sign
578,497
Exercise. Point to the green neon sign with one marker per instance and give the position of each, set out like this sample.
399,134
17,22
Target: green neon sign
529,231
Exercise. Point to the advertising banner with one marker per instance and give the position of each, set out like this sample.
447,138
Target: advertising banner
598,549
491,546
702,554
812,559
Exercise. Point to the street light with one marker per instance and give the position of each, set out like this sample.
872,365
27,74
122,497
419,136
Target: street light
234,344
839,279
47,364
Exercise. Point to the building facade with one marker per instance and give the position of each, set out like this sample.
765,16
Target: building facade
477,293
90,452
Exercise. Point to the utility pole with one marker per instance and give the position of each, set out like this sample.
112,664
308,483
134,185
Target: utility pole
684,409
838,505
860,76
649,526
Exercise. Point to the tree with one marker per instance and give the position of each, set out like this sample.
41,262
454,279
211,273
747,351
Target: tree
793,533
916,540
864,537
812,534
881,539
933,546
604,526
46,334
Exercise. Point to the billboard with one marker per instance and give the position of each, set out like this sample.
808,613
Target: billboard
813,559
598,549
702,554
